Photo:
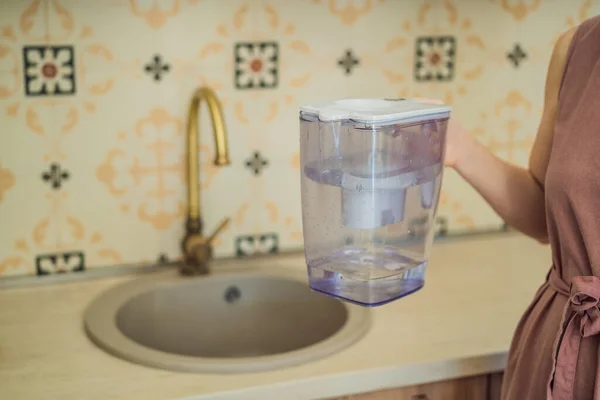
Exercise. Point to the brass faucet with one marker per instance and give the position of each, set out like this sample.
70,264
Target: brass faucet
197,249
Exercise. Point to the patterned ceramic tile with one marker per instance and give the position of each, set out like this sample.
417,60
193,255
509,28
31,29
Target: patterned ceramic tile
60,263
125,192
256,65
265,243
49,70
276,206
157,68
435,58
348,62
55,176
517,55
92,150
256,163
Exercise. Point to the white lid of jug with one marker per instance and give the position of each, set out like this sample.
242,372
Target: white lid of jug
376,111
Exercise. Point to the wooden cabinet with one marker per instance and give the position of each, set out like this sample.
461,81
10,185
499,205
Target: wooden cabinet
471,388
494,386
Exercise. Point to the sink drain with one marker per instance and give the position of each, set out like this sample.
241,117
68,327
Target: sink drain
232,294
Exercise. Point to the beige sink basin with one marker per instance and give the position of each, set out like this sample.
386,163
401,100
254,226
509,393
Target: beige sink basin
226,322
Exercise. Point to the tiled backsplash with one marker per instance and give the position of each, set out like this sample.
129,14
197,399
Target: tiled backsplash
94,95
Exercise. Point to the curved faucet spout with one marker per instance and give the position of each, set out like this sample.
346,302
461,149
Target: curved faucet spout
197,249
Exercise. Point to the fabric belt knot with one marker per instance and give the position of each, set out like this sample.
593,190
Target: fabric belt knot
581,318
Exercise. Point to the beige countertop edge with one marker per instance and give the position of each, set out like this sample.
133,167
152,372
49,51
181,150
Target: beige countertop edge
329,386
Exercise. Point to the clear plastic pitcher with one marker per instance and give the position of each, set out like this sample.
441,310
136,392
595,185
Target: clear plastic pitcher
371,176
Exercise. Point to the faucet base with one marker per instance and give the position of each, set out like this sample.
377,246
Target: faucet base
197,253
192,270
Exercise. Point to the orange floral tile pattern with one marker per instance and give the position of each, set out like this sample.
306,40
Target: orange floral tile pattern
438,19
519,9
146,171
253,23
156,13
77,95
7,181
72,234
349,12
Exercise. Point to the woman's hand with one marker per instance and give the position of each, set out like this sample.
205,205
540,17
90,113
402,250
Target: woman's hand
457,138
515,193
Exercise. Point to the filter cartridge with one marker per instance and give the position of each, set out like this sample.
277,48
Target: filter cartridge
372,209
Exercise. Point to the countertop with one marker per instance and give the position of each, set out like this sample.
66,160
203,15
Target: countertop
459,324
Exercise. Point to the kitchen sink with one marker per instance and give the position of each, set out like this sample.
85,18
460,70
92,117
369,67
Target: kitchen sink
225,322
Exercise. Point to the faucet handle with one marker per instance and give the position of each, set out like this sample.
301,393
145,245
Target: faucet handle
218,230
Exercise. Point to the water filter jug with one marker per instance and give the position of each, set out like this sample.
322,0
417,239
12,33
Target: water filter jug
371,176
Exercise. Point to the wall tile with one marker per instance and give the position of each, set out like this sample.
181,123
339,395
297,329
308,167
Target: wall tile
21,23
273,208
127,38
93,119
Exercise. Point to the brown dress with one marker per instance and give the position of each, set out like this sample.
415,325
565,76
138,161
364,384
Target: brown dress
555,350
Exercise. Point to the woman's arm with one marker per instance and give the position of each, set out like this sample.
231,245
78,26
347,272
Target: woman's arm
515,193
